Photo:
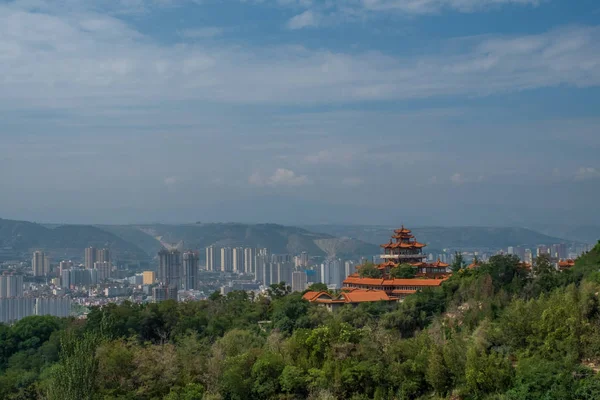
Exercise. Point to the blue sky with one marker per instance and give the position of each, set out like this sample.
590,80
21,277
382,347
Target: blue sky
443,112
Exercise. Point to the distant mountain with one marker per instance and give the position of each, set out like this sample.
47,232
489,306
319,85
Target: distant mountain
277,238
446,237
19,238
580,233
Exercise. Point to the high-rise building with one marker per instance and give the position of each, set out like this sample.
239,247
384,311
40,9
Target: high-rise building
38,263
11,285
190,270
64,265
349,268
331,272
302,260
284,272
542,249
65,279
210,259
559,251
299,280
261,261
237,260
103,255
104,269
56,306
149,277
163,292
528,258
281,258
226,259
169,268
249,260
511,250
90,257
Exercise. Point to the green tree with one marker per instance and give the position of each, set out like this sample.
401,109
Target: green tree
369,270
438,375
73,378
318,287
403,271
265,375
293,381
279,290
458,263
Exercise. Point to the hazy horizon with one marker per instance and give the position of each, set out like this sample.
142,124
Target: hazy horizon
446,112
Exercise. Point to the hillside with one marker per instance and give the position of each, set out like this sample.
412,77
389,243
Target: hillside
19,238
277,238
446,237
580,233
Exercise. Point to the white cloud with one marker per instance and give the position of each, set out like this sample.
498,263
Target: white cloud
585,173
50,60
306,19
281,177
434,6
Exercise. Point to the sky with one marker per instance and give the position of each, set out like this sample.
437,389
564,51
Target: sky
424,112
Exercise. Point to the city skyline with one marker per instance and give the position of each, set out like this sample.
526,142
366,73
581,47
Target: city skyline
488,110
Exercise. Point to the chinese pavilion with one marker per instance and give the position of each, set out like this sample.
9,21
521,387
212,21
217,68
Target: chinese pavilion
402,249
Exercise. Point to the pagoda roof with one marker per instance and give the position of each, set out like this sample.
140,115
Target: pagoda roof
393,282
402,236
439,264
401,245
390,264
402,230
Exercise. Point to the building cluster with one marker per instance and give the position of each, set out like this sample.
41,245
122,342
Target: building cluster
176,271
402,250
14,305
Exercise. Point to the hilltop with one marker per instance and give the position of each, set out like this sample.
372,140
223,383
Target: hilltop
19,238
277,238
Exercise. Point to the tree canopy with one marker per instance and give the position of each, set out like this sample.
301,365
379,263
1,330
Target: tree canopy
499,332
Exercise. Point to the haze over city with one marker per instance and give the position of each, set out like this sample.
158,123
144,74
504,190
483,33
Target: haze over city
464,112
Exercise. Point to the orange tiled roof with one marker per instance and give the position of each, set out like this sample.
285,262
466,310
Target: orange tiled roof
566,263
387,264
402,236
393,282
439,264
403,245
312,296
402,230
361,296
473,266
525,265
417,264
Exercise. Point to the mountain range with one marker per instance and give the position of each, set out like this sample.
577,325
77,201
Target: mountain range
141,242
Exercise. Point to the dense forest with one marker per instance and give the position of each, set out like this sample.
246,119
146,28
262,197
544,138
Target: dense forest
498,332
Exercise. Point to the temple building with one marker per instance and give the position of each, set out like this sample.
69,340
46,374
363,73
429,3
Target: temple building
402,250
566,264
352,297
